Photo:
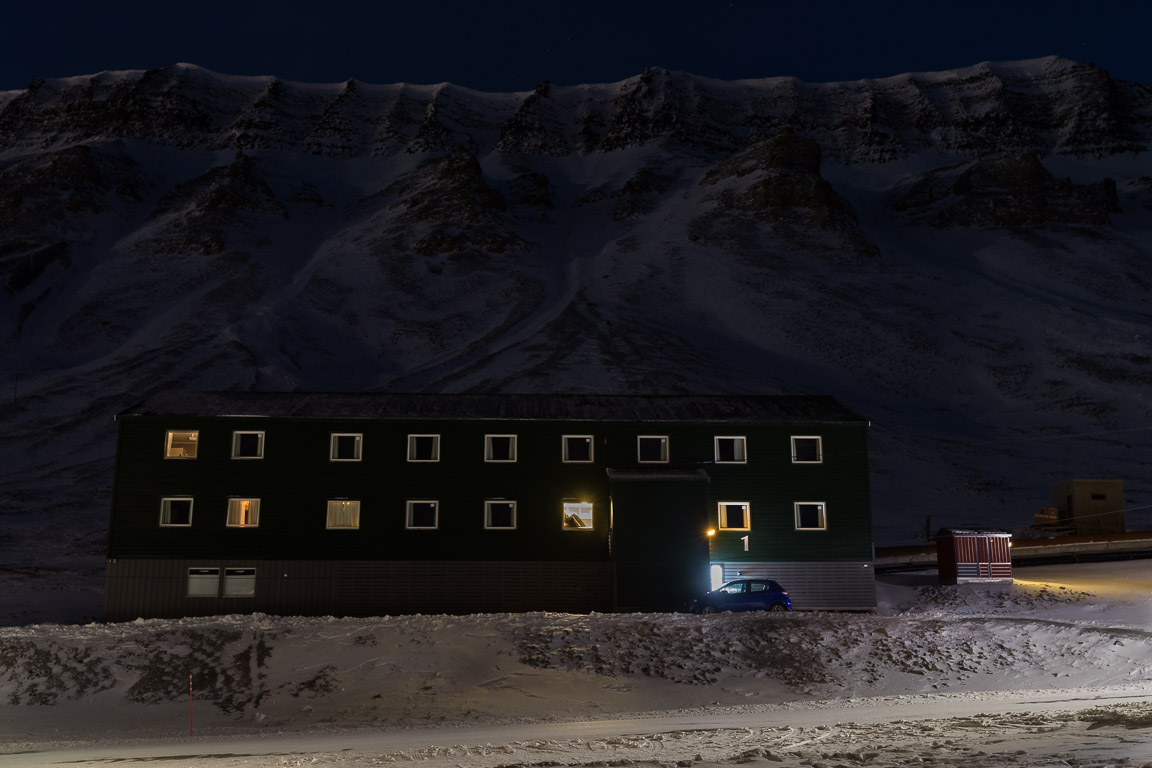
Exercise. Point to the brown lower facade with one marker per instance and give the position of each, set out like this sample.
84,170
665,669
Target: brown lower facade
174,588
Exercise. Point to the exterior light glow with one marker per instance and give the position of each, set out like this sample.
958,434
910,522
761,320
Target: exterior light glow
711,531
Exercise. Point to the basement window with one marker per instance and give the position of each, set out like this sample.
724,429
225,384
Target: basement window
176,511
181,443
652,449
239,582
423,514
203,582
243,513
810,516
731,450
423,447
806,449
499,448
577,448
343,513
577,516
346,446
499,514
733,516
247,445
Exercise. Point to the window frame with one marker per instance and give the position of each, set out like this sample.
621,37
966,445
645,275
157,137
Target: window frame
408,505
236,433
591,516
235,573
168,435
665,449
253,513
488,449
203,571
716,449
591,449
720,519
412,448
819,448
165,506
332,443
823,515
328,526
488,515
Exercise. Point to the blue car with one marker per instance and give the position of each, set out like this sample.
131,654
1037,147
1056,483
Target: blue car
743,595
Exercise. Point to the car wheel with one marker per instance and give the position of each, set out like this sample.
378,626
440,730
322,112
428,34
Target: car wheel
777,607
708,610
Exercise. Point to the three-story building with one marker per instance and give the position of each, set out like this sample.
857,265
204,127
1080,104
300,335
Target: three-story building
362,504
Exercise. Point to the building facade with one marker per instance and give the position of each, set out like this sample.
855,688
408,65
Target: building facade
1089,506
368,504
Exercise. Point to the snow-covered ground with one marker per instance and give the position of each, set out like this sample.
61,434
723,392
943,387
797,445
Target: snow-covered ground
1055,669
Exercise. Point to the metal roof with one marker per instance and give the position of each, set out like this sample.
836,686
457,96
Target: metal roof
502,407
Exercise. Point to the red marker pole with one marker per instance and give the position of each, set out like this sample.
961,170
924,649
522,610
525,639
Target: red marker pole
189,703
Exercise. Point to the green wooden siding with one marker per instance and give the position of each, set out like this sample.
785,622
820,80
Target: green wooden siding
295,479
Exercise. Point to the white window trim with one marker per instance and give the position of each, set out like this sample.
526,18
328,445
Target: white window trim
488,515
823,515
665,445
591,450
591,514
488,453
168,444
716,449
236,443
164,501
408,517
188,582
819,448
412,446
720,515
328,520
224,583
255,502
332,445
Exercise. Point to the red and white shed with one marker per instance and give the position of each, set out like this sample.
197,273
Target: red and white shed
964,555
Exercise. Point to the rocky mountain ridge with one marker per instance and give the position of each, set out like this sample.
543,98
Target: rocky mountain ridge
1045,106
962,256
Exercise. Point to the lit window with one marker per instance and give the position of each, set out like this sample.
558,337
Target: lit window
733,516
577,448
806,450
203,582
239,582
715,576
423,514
346,446
244,513
423,447
343,513
500,514
652,448
247,445
577,516
181,444
176,510
499,447
810,516
731,450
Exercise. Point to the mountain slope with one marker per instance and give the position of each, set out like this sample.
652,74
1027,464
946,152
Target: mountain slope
961,256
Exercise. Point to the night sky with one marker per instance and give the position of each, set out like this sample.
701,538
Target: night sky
510,46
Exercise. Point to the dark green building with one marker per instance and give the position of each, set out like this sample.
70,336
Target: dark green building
362,504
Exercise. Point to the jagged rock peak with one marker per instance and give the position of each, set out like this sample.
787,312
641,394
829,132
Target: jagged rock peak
1049,105
1004,190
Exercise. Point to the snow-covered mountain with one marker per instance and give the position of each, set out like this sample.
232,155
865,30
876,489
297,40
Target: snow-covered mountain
961,256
